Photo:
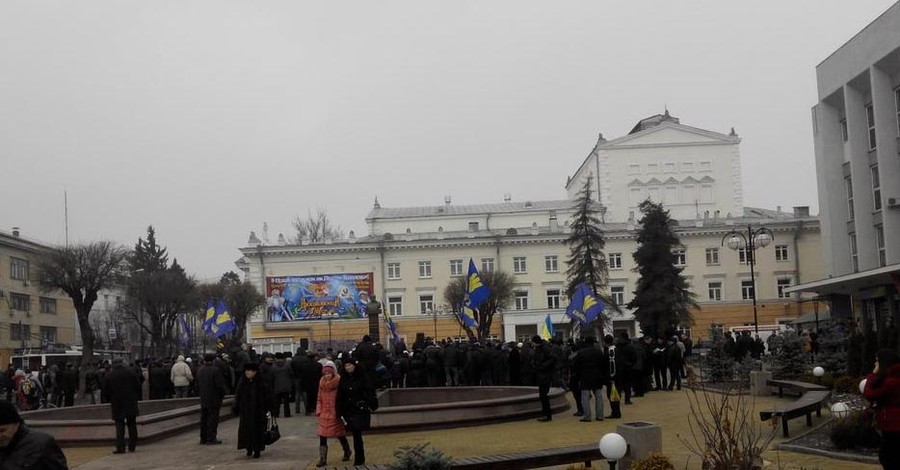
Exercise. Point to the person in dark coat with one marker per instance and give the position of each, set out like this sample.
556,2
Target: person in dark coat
626,357
123,388
590,366
312,373
615,363
22,448
282,384
515,365
660,368
545,371
675,362
159,382
883,391
211,386
355,399
296,366
252,402
68,384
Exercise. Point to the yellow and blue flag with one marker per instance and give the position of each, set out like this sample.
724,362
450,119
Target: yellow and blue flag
210,317
547,332
222,322
476,292
392,327
185,332
584,306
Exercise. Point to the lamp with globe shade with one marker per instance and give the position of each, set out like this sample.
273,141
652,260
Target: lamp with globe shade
613,447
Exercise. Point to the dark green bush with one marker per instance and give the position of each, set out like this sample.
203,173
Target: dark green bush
847,384
856,430
420,457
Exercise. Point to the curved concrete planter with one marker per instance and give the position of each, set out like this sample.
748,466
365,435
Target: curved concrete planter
402,409
93,425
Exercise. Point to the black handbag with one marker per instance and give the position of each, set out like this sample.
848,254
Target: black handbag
359,421
272,433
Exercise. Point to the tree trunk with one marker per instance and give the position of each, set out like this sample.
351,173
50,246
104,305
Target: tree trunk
83,312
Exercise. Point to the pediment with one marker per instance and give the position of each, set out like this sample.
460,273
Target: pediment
671,133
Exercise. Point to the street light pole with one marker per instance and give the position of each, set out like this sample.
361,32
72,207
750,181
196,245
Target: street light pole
759,238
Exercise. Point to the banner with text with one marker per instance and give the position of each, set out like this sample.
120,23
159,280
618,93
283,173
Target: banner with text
291,298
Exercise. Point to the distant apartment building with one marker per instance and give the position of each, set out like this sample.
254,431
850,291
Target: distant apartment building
30,319
856,129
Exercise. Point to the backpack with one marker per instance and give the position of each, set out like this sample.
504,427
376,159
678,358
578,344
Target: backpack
26,387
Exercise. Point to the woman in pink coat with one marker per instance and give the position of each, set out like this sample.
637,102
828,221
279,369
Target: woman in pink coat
329,422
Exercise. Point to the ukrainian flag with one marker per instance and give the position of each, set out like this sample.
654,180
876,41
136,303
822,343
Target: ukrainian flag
222,321
547,332
477,293
392,327
584,306
467,315
210,317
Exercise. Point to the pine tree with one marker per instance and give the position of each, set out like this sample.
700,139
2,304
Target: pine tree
832,356
719,364
789,360
147,255
663,299
587,262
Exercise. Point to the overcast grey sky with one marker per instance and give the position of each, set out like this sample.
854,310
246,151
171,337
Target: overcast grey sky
208,118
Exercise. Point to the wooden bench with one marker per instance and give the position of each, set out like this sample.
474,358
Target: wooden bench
517,461
805,405
799,387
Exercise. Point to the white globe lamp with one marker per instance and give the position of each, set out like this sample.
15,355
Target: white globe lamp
862,385
818,371
840,410
613,447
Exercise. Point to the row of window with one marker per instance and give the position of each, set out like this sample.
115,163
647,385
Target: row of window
870,122
879,245
668,167
673,194
22,303
18,269
19,332
551,262
876,192
555,297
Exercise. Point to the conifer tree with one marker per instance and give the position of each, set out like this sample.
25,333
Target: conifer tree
789,360
719,364
587,262
663,299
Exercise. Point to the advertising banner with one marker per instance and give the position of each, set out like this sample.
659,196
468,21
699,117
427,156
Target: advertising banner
294,298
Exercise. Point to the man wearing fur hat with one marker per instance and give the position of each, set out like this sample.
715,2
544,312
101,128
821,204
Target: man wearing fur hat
21,447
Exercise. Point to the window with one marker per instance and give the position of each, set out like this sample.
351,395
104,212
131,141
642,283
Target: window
473,226
854,255
456,267
653,168
870,123
671,195
715,290
744,255
551,264
879,242
553,296
782,284
426,303
634,169
781,253
18,269
615,261
746,290
19,332
876,188
844,135
393,271
706,166
20,302
848,185
680,257
706,193
48,305
48,334
487,265
617,294
712,256
669,167
395,306
521,297
424,269
519,266
687,167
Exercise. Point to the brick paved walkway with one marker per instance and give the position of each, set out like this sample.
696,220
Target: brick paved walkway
298,447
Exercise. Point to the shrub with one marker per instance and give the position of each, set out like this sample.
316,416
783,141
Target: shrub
833,345
653,462
719,366
790,361
420,457
847,384
856,430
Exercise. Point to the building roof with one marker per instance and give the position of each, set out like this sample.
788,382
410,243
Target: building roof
653,121
379,212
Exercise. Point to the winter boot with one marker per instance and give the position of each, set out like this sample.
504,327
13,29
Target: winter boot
347,452
616,408
323,456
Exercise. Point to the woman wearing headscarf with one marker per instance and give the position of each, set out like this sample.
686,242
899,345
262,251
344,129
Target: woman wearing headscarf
329,423
355,401
252,402
883,390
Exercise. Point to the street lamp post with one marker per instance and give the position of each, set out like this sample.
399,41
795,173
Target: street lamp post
759,238
329,317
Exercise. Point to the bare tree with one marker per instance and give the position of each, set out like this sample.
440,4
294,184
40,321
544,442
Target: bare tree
500,285
81,271
316,228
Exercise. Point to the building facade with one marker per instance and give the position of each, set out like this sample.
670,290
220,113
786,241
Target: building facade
414,253
696,173
29,317
856,129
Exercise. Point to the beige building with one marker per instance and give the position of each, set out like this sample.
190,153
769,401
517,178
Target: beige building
29,318
413,253
856,129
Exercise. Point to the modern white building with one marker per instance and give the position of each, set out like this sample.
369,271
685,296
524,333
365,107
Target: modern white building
696,173
856,128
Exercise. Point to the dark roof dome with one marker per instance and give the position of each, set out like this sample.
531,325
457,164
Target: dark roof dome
653,121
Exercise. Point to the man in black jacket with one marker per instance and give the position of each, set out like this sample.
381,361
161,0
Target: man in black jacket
212,388
123,388
545,371
21,447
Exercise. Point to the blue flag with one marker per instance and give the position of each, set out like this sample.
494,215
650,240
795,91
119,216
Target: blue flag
467,315
547,332
584,307
222,323
209,317
392,327
185,332
476,292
